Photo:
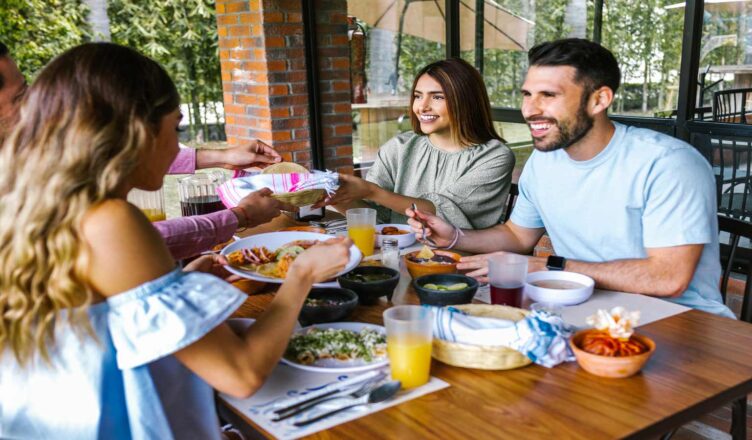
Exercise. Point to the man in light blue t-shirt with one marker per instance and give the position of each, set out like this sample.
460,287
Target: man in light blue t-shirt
632,208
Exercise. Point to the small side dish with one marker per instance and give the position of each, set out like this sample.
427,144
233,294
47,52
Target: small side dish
611,348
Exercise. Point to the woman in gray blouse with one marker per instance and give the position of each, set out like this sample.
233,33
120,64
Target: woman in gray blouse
453,164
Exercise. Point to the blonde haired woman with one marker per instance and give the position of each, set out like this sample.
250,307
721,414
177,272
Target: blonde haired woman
92,308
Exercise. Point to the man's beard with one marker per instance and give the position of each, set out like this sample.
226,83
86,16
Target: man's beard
568,134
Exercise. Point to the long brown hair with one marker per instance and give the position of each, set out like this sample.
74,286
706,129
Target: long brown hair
87,121
467,101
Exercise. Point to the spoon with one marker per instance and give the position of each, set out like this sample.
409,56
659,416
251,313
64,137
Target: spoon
423,228
378,394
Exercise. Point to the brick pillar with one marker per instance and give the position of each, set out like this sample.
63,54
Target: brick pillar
261,50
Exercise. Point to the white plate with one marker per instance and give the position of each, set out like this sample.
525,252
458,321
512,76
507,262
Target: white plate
403,240
272,241
334,365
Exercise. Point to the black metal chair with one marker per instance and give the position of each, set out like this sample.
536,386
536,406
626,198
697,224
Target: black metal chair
514,191
731,105
736,259
730,155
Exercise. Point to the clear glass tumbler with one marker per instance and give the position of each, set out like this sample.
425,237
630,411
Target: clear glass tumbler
507,274
361,228
409,334
150,202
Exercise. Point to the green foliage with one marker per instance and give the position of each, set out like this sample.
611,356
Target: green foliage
182,36
35,31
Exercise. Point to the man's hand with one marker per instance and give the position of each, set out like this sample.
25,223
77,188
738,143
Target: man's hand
256,154
258,208
478,265
436,228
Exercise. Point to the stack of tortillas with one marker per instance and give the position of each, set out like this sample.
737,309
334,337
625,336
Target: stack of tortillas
298,198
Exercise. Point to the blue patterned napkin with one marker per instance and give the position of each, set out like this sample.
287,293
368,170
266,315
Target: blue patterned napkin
541,336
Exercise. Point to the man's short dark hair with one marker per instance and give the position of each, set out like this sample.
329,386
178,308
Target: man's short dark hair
3,52
595,65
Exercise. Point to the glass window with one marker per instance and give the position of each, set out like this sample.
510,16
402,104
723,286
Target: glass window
725,60
646,39
398,38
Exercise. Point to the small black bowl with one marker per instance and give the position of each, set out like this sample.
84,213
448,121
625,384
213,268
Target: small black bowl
369,292
445,297
317,314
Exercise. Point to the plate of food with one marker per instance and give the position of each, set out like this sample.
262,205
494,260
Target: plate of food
337,347
402,233
267,257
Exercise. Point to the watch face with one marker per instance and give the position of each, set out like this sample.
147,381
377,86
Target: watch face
555,263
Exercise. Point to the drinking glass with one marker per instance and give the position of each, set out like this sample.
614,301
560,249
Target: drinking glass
198,193
507,274
409,332
361,227
150,202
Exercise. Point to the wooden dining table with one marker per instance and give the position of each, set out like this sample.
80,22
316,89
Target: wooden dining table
701,363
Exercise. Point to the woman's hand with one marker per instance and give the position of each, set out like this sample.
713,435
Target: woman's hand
212,264
429,225
256,154
351,189
322,261
259,207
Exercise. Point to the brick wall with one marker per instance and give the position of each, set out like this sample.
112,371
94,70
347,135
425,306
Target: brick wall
262,55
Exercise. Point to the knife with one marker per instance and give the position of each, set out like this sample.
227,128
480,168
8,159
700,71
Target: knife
328,391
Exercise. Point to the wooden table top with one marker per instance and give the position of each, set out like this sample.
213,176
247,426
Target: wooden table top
702,362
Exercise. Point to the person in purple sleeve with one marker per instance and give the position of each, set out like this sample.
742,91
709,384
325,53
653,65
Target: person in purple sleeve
185,236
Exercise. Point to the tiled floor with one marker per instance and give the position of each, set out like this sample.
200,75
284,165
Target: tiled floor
713,426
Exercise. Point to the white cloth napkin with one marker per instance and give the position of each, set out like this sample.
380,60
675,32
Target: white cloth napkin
245,183
541,336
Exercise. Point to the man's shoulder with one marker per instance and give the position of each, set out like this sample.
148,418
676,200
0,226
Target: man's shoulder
654,143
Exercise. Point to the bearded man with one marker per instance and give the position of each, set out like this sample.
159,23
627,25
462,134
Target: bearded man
632,208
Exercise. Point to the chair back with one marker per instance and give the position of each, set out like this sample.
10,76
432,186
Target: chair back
735,258
514,191
731,105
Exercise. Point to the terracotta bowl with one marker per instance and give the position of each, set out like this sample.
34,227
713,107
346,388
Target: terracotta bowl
419,269
607,366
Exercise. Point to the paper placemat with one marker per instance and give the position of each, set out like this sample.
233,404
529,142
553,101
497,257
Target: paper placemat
651,309
286,383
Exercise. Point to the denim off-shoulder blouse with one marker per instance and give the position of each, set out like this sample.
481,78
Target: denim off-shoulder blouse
126,383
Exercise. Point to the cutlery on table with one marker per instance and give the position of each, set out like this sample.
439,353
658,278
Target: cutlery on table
361,391
376,395
423,228
344,385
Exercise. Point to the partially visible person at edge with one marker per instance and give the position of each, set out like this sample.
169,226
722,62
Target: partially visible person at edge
453,163
185,236
632,208
92,307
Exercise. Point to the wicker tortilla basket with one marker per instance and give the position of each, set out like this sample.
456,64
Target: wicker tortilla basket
298,198
480,356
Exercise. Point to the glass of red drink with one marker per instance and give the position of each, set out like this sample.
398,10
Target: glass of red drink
506,274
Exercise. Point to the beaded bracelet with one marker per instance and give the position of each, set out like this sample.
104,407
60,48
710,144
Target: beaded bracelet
457,233
246,220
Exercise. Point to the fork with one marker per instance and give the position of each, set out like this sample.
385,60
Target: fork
423,228
363,390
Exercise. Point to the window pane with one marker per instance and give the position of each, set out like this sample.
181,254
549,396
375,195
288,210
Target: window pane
399,41
645,37
725,59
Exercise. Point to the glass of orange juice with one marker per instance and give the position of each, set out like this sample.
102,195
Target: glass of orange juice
151,203
361,228
409,332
